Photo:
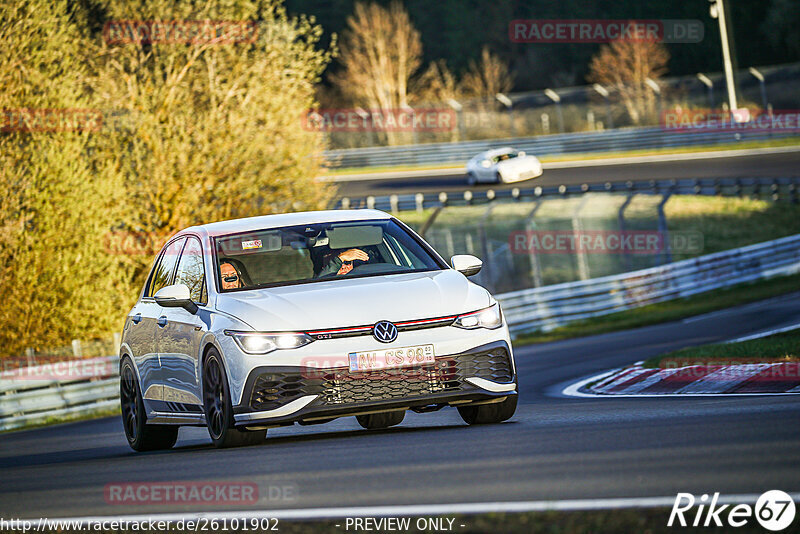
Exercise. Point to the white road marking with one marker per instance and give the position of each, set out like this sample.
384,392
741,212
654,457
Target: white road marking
765,333
621,379
566,505
649,381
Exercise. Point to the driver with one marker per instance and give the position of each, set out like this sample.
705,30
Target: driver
230,276
342,263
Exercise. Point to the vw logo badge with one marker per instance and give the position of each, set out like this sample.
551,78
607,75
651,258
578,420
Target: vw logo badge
384,331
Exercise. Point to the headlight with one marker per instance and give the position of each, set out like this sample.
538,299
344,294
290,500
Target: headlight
486,318
258,343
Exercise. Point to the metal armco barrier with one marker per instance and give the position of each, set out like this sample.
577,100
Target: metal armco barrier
545,308
607,141
774,188
36,395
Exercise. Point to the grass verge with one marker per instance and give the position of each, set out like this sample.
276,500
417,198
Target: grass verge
669,311
784,347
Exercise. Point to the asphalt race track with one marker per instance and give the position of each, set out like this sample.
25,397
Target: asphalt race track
555,447
761,165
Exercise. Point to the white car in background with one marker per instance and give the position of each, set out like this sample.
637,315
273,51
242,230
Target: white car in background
502,165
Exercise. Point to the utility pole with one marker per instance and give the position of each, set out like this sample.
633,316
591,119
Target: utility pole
717,11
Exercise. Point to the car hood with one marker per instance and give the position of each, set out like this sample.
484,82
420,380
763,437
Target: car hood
519,164
355,302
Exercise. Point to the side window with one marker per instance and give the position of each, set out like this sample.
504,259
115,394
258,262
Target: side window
191,271
166,267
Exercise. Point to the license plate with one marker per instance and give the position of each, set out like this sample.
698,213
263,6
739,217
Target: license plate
391,358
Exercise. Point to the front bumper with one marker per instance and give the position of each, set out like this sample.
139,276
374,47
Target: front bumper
284,395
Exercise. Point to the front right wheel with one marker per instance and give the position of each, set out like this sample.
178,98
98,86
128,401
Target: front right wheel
219,409
485,414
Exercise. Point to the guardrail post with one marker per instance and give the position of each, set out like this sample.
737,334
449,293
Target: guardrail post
393,201
621,223
371,202
345,203
469,243
117,342
448,239
419,199
536,270
76,348
487,258
663,230
427,224
577,228
30,357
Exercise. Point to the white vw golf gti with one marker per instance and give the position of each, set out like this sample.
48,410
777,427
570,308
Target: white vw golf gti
257,323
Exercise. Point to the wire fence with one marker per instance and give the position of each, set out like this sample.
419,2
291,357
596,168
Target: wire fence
580,109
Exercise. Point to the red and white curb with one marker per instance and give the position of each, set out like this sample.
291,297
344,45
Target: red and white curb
779,378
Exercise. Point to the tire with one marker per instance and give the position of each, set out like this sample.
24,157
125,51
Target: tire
498,178
471,178
375,421
140,435
219,410
486,414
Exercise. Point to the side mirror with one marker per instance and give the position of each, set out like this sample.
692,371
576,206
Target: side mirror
466,264
176,296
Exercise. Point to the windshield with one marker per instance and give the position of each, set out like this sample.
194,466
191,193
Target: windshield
506,155
316,252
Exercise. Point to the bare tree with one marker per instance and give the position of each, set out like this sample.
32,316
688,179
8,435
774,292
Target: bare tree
626,66
487,77
436,84
380,52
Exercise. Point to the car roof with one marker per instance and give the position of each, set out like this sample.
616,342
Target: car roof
284,219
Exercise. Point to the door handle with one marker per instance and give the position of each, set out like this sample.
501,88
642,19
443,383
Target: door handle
137,318
162,321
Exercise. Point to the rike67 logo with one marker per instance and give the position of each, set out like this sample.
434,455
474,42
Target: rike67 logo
774,510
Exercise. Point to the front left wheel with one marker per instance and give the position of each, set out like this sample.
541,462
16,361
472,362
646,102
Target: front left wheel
219,409
140,435
485,414
375,421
